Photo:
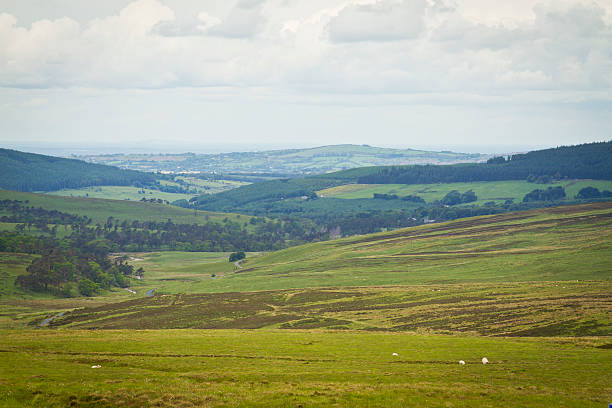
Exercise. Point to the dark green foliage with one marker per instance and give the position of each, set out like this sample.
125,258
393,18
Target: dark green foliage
543,179
88,287
454,197
587,161
35,172
592,192
385,196
236,256
550,194
496,160
414,199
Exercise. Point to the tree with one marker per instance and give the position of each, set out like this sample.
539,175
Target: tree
236,256
588,192
87,287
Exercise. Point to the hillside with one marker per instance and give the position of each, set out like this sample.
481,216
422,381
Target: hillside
315,160
100,209
35,172
590,161
533,273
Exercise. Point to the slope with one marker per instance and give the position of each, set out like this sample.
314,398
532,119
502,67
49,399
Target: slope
35,172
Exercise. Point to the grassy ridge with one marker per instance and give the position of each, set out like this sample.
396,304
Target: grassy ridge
296,368
561,243
497,191
99,209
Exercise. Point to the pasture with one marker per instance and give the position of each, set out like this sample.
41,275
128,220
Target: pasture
497,191
100,209
120,193
307,368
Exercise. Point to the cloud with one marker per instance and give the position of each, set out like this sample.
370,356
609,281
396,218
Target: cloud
319,51
244,20
384,20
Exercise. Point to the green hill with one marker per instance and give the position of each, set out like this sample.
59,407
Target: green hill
35,172
100,209
533,273
316,160
588,161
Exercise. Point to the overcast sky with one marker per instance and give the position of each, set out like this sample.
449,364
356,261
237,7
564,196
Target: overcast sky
187,75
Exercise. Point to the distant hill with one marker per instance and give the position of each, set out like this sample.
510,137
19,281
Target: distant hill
587,161
317,160
35,172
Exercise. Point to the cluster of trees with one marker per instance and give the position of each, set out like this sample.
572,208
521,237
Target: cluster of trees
211,236
410,198
20,212
589,161
550,194
236,256
592,192
65,265
455,197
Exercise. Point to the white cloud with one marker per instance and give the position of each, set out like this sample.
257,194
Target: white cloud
385,20
322,49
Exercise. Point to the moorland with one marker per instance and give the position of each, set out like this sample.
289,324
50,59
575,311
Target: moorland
363,287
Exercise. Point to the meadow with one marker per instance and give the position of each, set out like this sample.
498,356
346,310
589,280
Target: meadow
120,193
100,209
497,191
298,368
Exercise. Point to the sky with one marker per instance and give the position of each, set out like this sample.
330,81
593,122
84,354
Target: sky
198,75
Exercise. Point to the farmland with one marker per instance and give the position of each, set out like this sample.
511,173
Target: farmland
486,191
120,193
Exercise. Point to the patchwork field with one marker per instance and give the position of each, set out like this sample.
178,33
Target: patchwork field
186,368
497,191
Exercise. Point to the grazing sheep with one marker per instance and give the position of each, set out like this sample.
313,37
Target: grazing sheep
461,362
484,360
395,354
96,366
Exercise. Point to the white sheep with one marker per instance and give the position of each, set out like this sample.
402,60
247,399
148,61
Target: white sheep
96,366
484,360
395,354
461,362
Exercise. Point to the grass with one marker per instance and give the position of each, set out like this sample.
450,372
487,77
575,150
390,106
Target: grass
100,209
563,243
511,309
212,186
498,191
120,193
312,368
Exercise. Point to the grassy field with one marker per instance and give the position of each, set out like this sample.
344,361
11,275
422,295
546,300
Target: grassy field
120,193
562,243
233,368
212,186
100,209
498,191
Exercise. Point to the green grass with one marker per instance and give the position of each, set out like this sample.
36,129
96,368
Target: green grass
212,186
100,209
563,243
497,191
120,193
297,368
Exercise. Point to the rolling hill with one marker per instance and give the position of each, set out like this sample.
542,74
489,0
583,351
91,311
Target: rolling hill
533,273
35,172
294,162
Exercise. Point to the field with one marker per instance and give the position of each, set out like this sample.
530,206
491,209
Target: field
231,368
498,191
317,325
120,193
99,209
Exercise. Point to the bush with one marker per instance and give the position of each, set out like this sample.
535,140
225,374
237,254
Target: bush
550,194
236,256
588,192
